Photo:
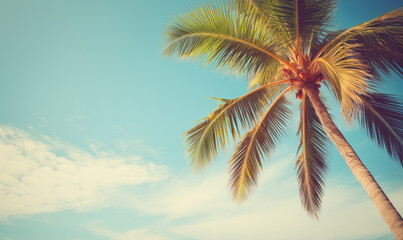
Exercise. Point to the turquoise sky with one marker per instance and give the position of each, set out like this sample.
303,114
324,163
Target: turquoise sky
91,125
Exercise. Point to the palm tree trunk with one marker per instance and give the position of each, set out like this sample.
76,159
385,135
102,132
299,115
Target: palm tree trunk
381,201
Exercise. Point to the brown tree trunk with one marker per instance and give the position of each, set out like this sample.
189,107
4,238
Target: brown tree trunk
381,201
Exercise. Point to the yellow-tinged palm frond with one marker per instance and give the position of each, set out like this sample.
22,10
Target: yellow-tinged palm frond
381,41
311,163
246,161
211,135
346,75
221,35
382,117
295,20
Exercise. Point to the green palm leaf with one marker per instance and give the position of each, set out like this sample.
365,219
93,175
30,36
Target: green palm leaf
296,20
205,139
246,161
380,41
218,34
346,75
311,163
382,117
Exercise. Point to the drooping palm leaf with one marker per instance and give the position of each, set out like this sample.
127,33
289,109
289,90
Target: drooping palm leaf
221,35
382,117
211,135
346,75
296,20
311,163
246,161
380,41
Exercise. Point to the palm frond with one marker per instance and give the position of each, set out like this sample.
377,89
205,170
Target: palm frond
246,161
380,41
211,135
311,163
295,20
264,77
382,117
216,33
318,42
346,75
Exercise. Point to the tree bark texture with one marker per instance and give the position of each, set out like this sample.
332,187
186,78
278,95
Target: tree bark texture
364,177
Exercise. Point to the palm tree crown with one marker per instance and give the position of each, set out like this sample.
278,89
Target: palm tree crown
285,46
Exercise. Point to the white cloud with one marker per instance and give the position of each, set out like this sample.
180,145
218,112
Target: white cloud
201,208
347,212
43,175
195,195
138,234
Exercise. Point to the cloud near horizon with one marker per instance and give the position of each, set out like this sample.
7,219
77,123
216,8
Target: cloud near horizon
199,208
42,176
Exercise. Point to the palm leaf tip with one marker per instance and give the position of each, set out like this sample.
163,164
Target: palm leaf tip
311,164
382,117
381,41
246,162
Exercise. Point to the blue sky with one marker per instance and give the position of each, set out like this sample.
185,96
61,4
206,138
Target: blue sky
91,125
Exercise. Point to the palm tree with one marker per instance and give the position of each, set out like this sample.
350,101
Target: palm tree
285,46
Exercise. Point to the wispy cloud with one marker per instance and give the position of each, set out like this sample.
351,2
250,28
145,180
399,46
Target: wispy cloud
138,234
347,212
43,175
195,195
201,208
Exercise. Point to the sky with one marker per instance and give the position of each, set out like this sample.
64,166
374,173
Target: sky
92,118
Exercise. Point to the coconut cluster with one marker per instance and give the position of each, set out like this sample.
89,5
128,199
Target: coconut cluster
303,78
